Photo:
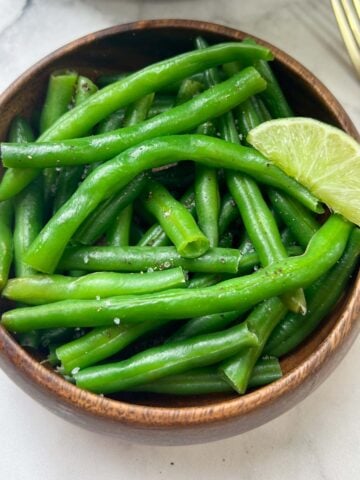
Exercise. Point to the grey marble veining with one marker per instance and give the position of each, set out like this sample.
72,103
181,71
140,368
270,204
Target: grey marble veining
320,438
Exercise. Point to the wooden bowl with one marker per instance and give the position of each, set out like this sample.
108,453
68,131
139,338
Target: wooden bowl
165,420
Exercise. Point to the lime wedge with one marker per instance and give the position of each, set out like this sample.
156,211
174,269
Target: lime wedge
321,157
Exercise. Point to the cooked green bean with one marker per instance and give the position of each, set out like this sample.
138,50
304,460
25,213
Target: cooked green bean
69,177
106,212
207,380
110,177
324,249
176,221
20,131
41,289
59,95
273,96
258,220
60,92
207,202
299,220
322,296
101,343
138,111
6,241
165,360
28,207
262,321
228,213
119,233
211,103
137,259
85,88
160,105
188,89
113,122
248,117
201,280
155,235
205,324
81,119
218,321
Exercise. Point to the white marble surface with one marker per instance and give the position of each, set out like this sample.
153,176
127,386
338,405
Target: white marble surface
319,439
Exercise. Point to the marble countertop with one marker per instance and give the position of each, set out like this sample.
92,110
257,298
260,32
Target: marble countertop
320,438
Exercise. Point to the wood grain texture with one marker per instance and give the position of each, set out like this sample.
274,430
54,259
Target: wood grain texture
165,420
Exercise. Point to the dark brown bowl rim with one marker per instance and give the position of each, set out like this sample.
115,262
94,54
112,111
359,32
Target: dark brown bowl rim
142,415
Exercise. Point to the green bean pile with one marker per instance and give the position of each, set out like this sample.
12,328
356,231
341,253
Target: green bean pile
151,249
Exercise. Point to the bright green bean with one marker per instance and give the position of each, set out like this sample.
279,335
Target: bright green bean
119,233
81,119
211,103
207,202
110,177
322,296
165,360
6,241
103,216
176,221
324,249
137,259
299,220
206,380
52,288
262,320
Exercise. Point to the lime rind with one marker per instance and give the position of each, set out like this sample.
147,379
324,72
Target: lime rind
321,157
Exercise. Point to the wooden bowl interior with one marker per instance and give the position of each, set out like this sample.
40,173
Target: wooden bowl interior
130,50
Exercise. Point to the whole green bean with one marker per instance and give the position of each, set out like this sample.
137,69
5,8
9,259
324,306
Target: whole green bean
111,176
59,95
258,220
248,116
218,321
101,343
148,80
29,215
176,221
81,119
70,177
299,220
6,241
102,217
207,202
322,296
324,249
273,96
262,320
165,360
29,219
137,259
211,103
119,233
52,288
206,380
